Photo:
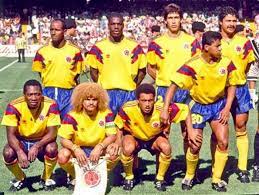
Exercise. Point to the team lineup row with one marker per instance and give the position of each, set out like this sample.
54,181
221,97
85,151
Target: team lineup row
185,71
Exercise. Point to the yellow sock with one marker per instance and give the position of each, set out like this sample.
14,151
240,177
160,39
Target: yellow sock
49,165
16,170
164,163
111,164
69,168
221,158
127,162
242,147
191,164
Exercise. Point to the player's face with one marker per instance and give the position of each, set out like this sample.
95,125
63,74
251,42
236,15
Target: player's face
90,104
33,97
57,31
146,103
173,22
215,49
228,24
115,26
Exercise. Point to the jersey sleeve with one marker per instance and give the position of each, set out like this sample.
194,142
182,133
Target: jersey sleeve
68,127
121,119
154,53
248,52
110,128
138,56
184,77
38,62
178,112
196,47
78,62
232,74
53,116
11,116
94,58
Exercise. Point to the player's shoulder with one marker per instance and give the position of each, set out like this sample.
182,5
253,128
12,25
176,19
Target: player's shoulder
48,100
44,47
17,101
73,45
130,104
159,106
241,39
194,60
102,42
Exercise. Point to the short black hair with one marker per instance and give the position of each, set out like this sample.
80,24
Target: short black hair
60,20
198,26
228,10
31,82
70,23
209,37
145,88
115,15
172,8
155,28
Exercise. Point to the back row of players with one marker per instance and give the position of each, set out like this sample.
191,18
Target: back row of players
209,76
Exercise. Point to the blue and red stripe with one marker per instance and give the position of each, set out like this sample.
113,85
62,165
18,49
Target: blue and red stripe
247,48
173,111
11,110
69,120
109,117
97,52
188,71
195,47
53,109
156,48
231,67
38,57
135,53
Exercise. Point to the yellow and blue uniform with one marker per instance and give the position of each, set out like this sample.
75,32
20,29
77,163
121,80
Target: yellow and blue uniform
58,68
168,54
240,51
118,65
196,75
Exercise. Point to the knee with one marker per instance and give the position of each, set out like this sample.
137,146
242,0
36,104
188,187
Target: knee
223,144
9,154
240,126
51,150
64,156
166,148
128,149
114,158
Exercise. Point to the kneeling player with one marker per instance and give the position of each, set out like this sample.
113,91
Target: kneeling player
139,122
206,76
31,125
87,129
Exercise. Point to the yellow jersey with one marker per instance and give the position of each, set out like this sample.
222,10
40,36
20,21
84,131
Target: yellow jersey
131,119
58,66
240,51
17,114
117,63
85,131
206,82
168,54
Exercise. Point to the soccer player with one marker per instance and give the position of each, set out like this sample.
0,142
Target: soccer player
31,125
59,64
240,51
21,44
139,123
87,130
208,104
117,63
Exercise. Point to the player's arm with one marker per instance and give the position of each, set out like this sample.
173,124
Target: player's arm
151,70
46,139
140,76
114,148
94,74
248,66
14,143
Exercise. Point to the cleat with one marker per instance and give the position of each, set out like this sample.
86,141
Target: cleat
71,184
220,186
17,185
160,185
255,177
128,184
243,176
187,184
48,185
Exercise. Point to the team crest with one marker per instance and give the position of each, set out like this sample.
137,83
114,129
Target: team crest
41,117
222,71
68,59
186,46
92,178
238,49
126,52
155,124
101,123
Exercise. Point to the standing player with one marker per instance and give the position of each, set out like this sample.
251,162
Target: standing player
208,104
240,51
59,64
88,129
117,63
31,125
21,44
139,123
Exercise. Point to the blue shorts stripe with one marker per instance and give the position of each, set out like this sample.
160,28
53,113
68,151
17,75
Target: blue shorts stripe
181,95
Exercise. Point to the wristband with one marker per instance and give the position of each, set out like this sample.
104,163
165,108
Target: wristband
100,144
74,147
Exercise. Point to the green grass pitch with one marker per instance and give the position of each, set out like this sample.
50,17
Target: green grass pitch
11,82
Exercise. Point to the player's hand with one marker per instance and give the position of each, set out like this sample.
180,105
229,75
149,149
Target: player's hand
224,116
194,138
81,157
95,154
113,149
164,116
33,153
166,130
22,159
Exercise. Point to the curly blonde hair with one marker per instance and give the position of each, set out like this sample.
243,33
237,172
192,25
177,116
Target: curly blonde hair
86,90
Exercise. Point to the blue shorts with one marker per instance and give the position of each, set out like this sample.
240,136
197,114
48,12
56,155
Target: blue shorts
87,150
62,97
118,97
181,95
26,145
242,102
202,113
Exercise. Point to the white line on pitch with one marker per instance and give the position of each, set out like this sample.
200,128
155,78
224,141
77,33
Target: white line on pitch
8,65
10,90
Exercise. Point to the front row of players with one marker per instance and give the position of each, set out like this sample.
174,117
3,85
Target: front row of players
90,130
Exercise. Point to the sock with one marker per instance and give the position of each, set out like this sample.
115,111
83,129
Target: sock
49,165
112,163
164,163
221,158
213,145
242,147
191,164
127,162
256,149
69,168
16,170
